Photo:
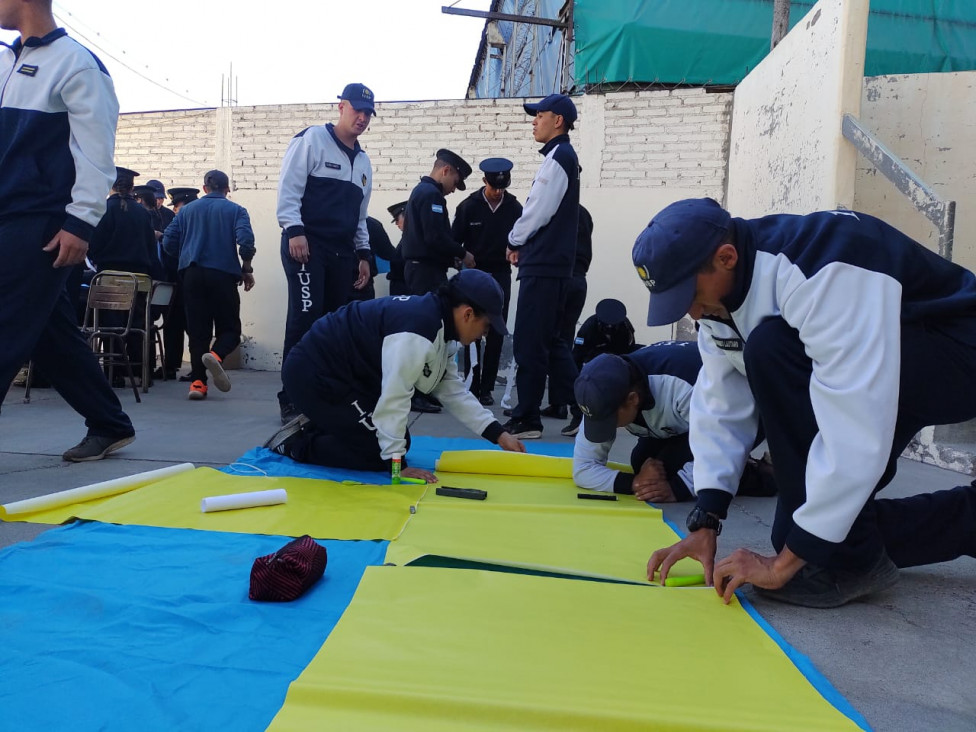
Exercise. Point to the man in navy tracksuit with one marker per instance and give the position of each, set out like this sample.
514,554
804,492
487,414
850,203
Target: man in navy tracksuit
207,235
323,195
58,113
846,338
427,246
648,392
543,245
354,373
482,224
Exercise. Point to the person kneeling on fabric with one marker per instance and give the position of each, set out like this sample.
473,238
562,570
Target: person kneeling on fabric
648,392
353,374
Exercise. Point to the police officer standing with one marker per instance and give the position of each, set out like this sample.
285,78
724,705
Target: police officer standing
543,246
398,285
428,247
482,223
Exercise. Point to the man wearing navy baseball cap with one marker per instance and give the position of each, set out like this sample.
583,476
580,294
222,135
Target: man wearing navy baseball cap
845,338
354,373
482,223
542,244
648,392
323,196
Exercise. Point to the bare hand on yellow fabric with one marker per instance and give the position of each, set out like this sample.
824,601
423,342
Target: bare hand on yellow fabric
71,249
364,275
419,474
512,444
651,483
698,545
743,566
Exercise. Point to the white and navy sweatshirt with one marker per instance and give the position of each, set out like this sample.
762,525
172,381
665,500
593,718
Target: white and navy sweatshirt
389,348
324,190
545,234
58,114
846,282
671,368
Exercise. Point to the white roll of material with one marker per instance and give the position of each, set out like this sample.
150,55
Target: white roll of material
93,491
243,500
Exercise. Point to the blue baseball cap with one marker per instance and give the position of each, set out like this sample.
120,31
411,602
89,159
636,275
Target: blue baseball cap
557,104
359,96
671,250
481,289
601,389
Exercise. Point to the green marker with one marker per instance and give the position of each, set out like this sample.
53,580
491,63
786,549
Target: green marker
414,481
689,581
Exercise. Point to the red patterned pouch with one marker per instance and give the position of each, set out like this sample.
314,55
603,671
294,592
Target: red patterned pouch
289,572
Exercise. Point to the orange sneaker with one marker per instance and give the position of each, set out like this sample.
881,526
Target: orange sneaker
213,364
198,390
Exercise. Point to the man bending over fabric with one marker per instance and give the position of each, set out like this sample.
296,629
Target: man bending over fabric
648,392
354,373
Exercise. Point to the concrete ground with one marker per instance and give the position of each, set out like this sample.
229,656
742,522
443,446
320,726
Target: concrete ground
904,659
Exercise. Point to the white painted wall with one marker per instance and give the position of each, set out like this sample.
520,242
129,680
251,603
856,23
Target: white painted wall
929,121
787,152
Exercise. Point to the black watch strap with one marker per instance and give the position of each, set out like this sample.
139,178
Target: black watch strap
699,518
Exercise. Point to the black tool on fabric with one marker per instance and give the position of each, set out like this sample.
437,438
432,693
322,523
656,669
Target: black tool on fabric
597,496
474,494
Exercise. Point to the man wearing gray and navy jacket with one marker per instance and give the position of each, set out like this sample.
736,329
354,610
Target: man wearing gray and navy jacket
323,195
845,338
542,245
58,113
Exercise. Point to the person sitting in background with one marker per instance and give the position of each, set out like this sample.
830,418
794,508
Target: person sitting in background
649,393
606,331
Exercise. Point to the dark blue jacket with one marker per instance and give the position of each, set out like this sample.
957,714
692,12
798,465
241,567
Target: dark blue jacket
427,231
545,235
124,239
208,232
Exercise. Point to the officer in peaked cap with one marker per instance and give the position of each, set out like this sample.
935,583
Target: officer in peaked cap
179,196
482,223
428,247
398,285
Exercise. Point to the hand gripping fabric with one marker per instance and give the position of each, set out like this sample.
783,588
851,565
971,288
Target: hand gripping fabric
289,572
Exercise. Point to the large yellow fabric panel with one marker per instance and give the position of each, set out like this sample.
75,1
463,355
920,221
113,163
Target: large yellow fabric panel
494,462
540,524
320,508
441,650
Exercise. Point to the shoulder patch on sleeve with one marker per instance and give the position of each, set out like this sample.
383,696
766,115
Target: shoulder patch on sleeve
437,208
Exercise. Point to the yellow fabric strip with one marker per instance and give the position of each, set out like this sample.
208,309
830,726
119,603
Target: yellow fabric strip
494,462
538,523
438,650
320,508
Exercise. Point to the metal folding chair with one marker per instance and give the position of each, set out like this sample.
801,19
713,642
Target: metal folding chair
144,288
112,292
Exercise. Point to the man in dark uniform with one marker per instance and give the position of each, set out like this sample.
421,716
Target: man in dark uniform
398,285
428,248
543,246
323,195
52,195
606,331
123,239
482,223
174,326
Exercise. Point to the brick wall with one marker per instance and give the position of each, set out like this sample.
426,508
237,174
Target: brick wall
646,139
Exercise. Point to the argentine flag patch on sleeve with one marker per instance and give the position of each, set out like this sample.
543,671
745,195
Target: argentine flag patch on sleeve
437,208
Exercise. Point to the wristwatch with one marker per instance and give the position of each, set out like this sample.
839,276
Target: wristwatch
699,518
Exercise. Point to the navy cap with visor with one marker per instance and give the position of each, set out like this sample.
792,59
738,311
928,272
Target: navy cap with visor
481,289
360,97
672,249
557,104
601,389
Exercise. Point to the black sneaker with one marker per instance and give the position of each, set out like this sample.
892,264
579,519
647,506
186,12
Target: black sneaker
487,400
95,448
523,430
817,587
572,428
424,404
555,412
280,440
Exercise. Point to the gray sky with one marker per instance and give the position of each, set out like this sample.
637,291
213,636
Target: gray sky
283,52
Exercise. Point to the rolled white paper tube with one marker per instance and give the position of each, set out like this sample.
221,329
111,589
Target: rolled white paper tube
243,500
93,491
